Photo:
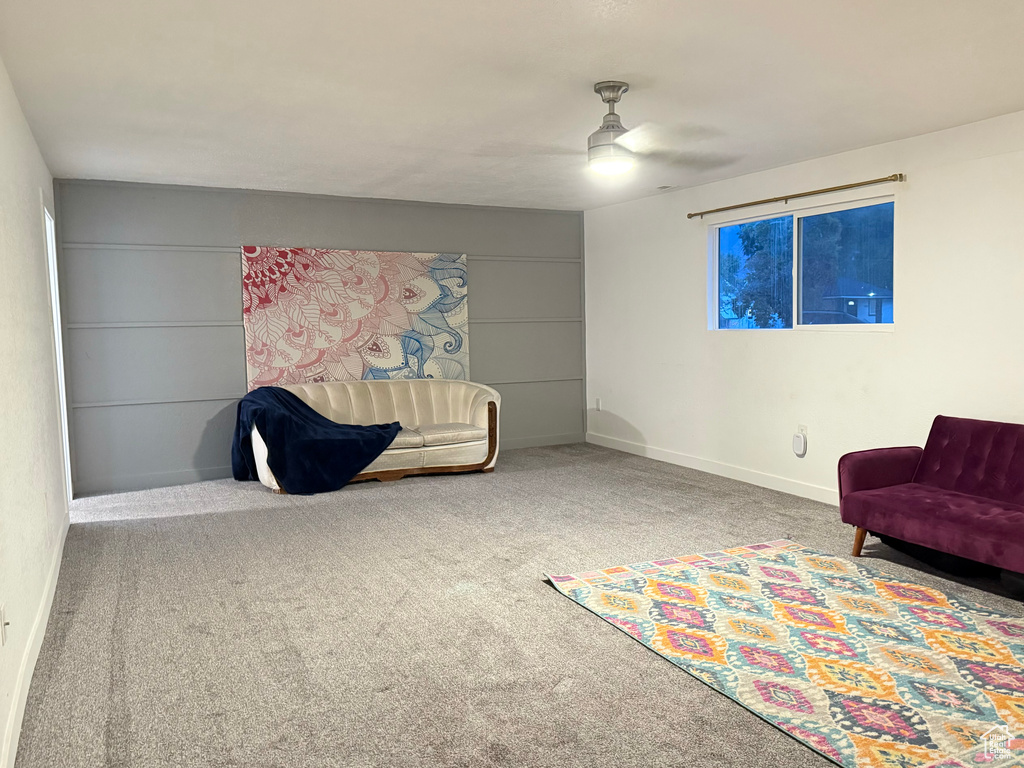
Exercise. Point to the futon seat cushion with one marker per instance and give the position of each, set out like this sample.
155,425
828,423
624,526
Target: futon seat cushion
407,438
971,526
446,434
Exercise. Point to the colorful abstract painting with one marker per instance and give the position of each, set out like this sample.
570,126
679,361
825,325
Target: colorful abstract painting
865,669
314,315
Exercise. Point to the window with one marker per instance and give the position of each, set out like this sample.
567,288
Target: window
817,268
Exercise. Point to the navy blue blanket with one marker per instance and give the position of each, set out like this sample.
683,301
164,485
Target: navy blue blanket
309,453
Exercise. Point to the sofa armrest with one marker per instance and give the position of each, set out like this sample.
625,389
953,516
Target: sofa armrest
878,468
484,413
478,408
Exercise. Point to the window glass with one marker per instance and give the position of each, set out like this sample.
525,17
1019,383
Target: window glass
846,266
755,274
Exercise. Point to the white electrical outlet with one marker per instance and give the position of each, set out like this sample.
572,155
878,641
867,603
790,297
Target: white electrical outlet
597,404
3,625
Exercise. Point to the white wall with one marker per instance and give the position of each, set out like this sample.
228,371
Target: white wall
33,503
729,402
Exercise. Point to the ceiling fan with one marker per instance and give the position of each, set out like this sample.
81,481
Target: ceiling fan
613,149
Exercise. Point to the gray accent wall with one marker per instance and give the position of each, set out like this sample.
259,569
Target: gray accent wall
151,284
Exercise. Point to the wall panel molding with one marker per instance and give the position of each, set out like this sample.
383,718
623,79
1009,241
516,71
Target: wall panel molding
157,324
120,403
234,250
530,381
240,395
220,249
484,320
544,259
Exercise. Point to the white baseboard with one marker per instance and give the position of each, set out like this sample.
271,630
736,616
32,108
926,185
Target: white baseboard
122,483
763,479
19,695
535,442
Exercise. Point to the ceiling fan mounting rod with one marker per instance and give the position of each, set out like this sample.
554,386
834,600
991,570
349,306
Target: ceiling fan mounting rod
610,92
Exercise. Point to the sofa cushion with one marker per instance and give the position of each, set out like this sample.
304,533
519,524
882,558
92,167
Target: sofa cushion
407,401
970,526
980,458
446,434
407,438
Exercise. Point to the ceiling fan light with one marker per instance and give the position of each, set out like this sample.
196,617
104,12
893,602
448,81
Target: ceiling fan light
604,154
611,166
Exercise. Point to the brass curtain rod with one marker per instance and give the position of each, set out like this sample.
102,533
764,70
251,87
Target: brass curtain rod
787,198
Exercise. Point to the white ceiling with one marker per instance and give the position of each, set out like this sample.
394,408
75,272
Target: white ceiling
478,101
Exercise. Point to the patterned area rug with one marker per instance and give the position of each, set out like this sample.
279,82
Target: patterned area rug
864,669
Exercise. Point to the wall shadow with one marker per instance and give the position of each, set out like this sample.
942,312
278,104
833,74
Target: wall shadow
608,424
213,453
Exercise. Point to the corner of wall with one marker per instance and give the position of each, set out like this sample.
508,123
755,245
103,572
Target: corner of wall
32,487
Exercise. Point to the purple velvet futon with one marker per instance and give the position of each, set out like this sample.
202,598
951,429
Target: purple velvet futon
963,493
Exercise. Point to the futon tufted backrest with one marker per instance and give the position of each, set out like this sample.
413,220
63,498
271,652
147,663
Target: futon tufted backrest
409,401
980,458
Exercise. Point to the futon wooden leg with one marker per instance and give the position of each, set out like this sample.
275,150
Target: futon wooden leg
858,541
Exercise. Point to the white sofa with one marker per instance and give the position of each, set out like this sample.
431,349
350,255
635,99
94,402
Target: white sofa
447,426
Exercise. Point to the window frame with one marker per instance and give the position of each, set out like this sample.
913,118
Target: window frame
779,211
50,239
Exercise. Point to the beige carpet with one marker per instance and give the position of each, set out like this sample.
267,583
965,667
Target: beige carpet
400,624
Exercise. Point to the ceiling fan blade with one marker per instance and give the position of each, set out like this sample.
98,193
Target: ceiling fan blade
648,138
696,161
645,138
